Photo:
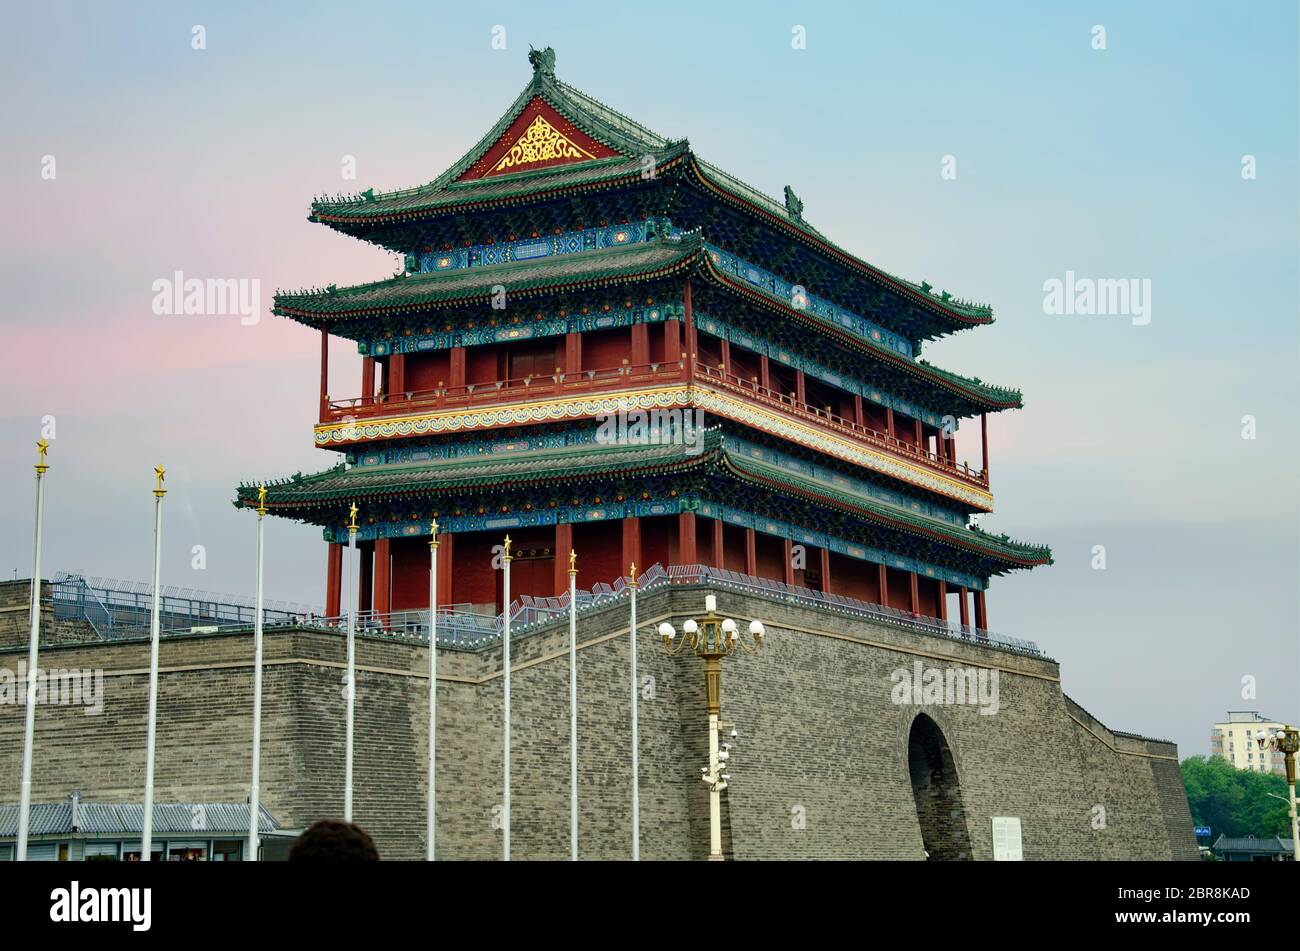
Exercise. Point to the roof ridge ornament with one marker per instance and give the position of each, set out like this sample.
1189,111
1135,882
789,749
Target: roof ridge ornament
792,204
542,61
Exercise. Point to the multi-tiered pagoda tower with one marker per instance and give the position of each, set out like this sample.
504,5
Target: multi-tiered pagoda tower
574,266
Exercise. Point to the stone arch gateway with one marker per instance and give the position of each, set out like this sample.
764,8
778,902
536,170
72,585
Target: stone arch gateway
937,791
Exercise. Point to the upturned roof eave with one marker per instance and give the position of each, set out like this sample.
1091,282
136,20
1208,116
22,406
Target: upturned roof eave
294,306
715,456
978,393
632,139
627,137
328,498
718,180
1013,554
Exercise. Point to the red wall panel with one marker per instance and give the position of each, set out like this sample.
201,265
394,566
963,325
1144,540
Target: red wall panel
771,557
483,364
854,578
604,349
474,580
600,548
900,589
410,579
658,541
427,371
928,589
733,547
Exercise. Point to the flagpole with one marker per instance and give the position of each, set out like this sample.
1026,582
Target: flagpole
33,650
352,672
146,837
433,686
505,666
636,784
573,705
255,797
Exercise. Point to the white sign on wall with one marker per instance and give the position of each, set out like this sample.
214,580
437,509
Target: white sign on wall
1006,839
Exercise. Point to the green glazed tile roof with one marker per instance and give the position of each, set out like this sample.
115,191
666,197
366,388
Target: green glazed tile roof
439,288
986,394
341,484
597,120
325,493
445,195
782,479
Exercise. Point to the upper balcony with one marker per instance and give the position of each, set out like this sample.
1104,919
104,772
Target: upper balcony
502,392
791,405
561,395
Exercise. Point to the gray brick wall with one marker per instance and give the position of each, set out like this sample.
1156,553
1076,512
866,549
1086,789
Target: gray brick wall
15,617
818,731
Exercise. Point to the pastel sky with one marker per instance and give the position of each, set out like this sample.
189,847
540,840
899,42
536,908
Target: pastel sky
1117,163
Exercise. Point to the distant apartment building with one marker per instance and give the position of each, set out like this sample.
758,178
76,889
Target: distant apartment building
1235,740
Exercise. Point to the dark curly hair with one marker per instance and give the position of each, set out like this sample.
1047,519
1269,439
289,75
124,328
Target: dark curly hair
332,840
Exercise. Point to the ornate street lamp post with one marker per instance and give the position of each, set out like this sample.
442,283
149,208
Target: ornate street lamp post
713,638
1287,742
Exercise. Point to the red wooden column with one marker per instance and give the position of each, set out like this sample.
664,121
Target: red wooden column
788,554
751,552
889,422
446,567
457,368
397,377
884,585
726,355
631,545
691,348
964,606
672,341
640,345
367,381
981,612
916,592
942,612
365,581
563,545
383,575
984,441
686,554
859,414
920,436
719,556
324,376
826,570
800,393
572,356
764,372
333,580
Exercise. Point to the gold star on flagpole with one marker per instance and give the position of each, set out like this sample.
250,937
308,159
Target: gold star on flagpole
261,501
42,447
159,472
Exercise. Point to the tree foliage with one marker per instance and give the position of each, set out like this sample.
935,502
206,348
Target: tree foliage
1235,802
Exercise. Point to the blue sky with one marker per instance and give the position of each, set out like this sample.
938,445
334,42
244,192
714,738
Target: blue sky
1115,163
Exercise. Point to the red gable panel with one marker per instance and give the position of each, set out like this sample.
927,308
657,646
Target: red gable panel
539,138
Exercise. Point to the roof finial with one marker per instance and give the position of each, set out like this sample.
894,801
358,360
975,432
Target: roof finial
792,204
542,61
